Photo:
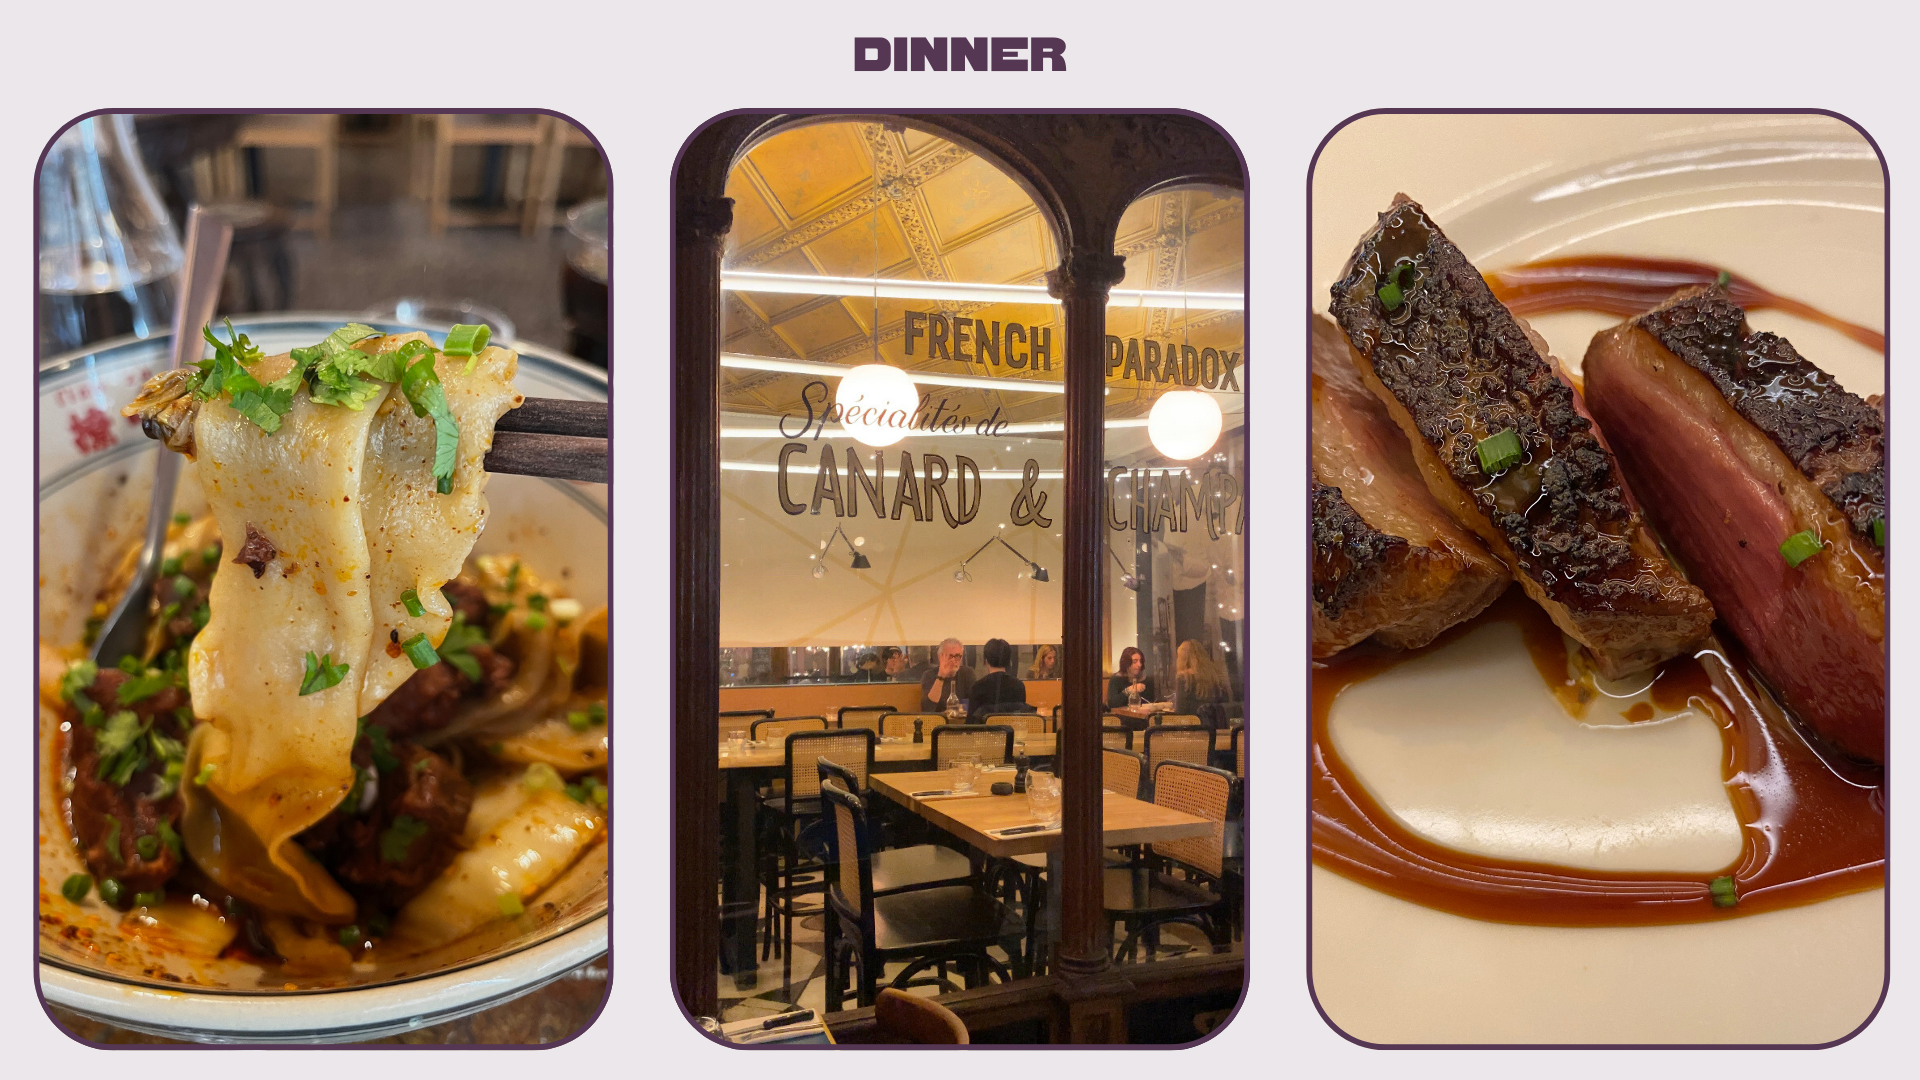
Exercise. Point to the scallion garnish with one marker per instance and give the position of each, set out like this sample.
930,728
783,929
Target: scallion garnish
350,936
170,566
420,651
210,554
113,845
205,774
147,847
1880,533
1722,279
1498,453
183,586
76,887
465,340
396,841
1800,547
536,621
578,721
536,602
150,899
111,891
510,906
1394,288
182,518
171,839
412,600
321,674
1723,891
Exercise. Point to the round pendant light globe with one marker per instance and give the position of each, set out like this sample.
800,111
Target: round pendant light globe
1184,424
877,402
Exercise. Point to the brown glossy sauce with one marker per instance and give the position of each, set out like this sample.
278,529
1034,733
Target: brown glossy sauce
1627,285
1811,832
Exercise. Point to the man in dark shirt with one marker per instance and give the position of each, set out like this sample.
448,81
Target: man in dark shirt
948,680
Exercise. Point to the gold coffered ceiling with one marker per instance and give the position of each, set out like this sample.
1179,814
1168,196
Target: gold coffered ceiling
805,203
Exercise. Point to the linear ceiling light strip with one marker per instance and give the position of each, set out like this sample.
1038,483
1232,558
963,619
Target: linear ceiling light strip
909,289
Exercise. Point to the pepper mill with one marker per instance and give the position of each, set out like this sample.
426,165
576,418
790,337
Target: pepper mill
917,736
1020,772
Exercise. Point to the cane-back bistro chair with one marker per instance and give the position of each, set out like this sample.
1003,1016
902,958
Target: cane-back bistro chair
793,864
775,729
924,928
1163,719
1023,724
1115,737
741,720
864,716
993,742
900,724
1190,743
1121,771
1237,740
1180,881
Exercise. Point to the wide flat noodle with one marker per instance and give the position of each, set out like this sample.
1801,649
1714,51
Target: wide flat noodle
419,539
286,762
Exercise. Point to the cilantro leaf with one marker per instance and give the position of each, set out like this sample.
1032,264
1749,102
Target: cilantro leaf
142,687
80,675
378,742
322,673
421,385
460,638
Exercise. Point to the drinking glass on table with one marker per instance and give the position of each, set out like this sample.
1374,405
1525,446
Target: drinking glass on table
1043,798
736,740
964,767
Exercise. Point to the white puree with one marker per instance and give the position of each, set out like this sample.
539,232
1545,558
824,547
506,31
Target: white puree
1467,747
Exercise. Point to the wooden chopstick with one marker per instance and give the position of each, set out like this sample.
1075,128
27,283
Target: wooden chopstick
553,437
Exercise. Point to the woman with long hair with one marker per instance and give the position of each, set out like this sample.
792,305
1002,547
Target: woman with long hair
1046,663
1198,681
1131,676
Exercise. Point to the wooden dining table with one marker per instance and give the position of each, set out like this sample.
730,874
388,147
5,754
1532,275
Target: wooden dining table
976,818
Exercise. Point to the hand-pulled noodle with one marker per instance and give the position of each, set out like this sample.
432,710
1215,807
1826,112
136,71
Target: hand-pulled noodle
346,498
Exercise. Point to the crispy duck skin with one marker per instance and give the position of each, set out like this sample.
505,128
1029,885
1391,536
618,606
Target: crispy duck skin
1736,443
1454,367
1388,563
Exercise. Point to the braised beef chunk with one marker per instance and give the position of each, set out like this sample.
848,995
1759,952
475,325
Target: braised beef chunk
257,552
122,793
468,601
1389,563
1455,370
431,697
1728,485
406,838
1835,438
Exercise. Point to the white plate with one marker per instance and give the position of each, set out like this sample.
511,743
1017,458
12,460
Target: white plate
1464,745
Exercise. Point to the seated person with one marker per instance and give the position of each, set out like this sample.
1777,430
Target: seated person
893,661
948,680
996,691
1046,663
1132,676
1198,682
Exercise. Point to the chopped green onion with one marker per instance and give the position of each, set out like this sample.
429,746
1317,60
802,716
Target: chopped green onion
412,600
182,518
1498,453
170,566
75,888
350,936
1722,279
93,716
131,664
578,721
536,621
148,847
1393,291
210,554
167,613
111,891
420,651
322,673
537,602
200,616
513,579
150,899
1723,891
113,843
183,586
1800,547
510,906
171,839
396,841
205,774
1880,533
541,776
465,340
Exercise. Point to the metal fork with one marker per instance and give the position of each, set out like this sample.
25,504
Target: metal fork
208,239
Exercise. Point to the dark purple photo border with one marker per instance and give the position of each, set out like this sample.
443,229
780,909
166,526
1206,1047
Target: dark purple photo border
1307,412
34,701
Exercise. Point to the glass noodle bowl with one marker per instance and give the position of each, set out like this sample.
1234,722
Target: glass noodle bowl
96,471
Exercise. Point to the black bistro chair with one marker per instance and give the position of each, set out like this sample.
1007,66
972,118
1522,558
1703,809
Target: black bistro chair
792,867
1179,881
1192,743
902,869
924,928
993,742
864,716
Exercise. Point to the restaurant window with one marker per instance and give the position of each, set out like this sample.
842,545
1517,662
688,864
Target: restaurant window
1175,488
891,435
